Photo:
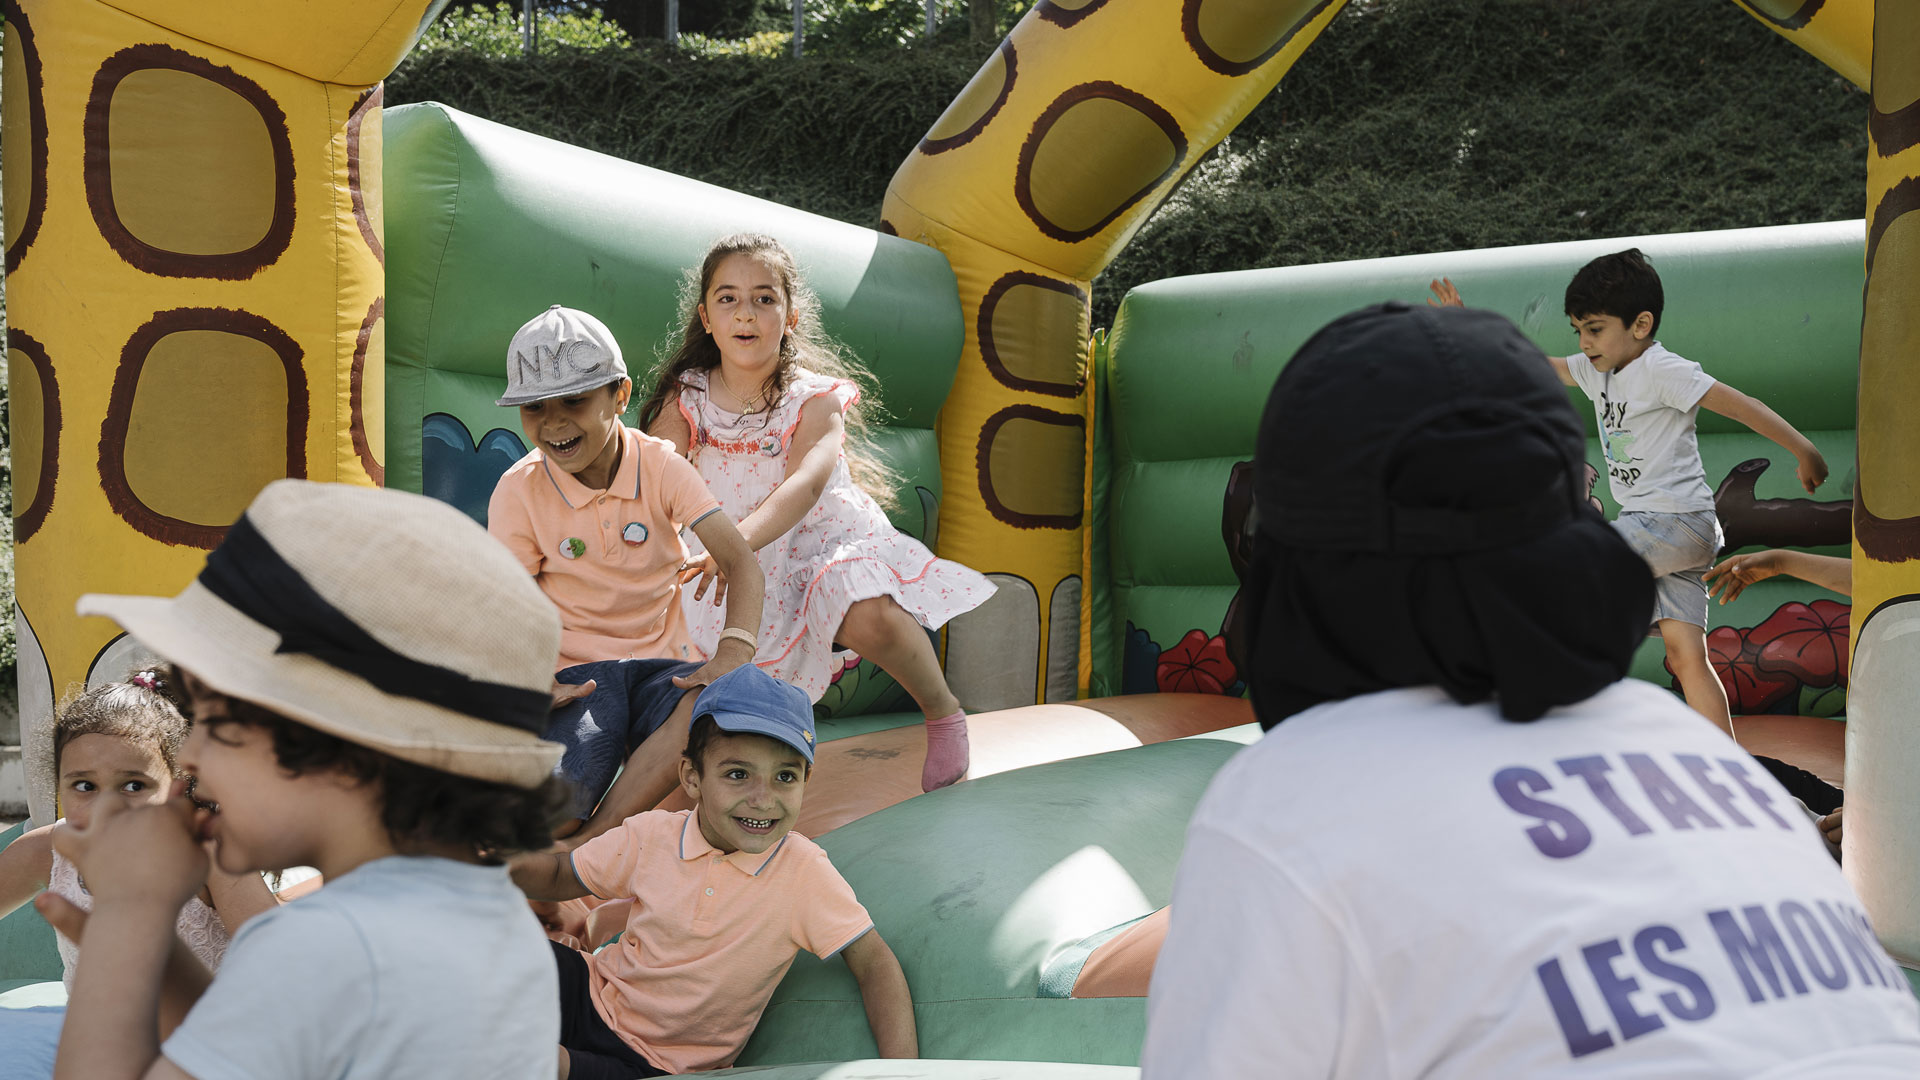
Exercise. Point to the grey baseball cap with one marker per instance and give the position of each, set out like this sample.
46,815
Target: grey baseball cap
559,352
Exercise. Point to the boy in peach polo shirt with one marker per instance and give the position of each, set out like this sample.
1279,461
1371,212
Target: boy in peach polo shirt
726,896
594,513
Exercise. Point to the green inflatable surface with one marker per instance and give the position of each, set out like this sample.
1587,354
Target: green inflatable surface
984,890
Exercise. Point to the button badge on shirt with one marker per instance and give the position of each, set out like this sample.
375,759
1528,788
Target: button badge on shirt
634,534
572,547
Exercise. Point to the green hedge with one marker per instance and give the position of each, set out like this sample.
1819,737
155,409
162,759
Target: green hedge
1410,126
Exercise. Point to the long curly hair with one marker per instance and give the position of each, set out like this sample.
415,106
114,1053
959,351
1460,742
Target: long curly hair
806,345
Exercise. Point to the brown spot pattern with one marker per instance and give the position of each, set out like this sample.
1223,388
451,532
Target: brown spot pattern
1785,14
1890,338
1067,12
367,104
979,102
356,395
23,89
1046,310
1075,158
1017,494
98,169
1893,119
35,411
1235,37
120,406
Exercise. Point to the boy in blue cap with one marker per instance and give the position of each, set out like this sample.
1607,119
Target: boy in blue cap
726,895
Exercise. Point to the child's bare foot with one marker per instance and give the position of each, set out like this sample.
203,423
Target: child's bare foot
947,756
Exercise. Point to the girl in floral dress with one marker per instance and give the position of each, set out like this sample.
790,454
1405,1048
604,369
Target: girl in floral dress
766,407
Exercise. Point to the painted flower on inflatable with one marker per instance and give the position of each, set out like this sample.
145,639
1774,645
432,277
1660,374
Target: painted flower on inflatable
1750,688
1198,664
1806,641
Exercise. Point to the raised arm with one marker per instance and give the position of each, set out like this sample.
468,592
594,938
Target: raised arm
1751,411
1446,295
810,461
1732,576
883,989
24,867
546,875
746,588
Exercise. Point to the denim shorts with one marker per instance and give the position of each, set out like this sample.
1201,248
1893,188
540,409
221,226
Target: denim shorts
1679,549
631,699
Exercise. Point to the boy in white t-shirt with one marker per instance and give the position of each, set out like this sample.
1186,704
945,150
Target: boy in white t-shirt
1645,398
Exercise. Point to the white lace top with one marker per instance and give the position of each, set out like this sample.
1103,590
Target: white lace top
199,925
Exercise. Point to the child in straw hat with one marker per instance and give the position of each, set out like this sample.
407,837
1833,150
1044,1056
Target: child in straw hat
367,673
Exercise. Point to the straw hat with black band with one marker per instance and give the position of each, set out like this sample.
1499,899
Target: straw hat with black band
386,619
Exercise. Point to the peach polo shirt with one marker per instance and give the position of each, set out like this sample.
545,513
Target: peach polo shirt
609,560
711,935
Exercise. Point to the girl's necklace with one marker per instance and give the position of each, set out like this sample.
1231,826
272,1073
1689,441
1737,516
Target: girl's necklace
748,405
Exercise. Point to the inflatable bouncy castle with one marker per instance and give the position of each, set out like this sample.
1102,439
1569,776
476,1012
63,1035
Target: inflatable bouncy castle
228,264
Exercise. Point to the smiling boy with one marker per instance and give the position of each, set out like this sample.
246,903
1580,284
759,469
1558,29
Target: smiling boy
726,896
1645,400
594,512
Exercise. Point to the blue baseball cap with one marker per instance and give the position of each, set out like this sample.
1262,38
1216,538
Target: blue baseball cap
748,701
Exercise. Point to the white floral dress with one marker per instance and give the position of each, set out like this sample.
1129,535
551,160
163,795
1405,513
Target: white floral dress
844,550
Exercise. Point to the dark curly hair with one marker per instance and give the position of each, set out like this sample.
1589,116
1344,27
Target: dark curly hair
1622,284
144,709
419,807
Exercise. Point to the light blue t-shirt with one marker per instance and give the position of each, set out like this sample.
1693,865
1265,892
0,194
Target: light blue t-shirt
407,966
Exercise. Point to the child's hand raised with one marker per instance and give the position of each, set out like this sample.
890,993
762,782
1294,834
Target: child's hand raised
708,571
139,855
1444,294
565,694
1811,470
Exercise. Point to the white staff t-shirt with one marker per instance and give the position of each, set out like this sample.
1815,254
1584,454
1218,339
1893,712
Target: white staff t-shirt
1646,413
1396,885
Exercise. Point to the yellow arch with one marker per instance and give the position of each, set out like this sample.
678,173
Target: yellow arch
195,283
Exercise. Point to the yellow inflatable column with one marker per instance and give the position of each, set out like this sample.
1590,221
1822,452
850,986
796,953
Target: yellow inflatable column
194,292
1838,32
1077,127
1883,702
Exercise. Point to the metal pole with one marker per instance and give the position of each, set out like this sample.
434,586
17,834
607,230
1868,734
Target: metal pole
930,18
526,27
673,23
799,25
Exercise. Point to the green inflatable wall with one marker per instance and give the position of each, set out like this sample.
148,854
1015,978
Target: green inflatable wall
486,226
1185,370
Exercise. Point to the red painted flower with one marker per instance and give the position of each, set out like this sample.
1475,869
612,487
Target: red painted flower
848,665
1806,641
1197,665
1750,688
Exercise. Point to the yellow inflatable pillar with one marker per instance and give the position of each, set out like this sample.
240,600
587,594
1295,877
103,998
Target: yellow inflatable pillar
194,291
1837,32
1076,128
1883,702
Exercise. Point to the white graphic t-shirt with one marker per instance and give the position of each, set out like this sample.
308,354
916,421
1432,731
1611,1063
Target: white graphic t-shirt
1396,885
1646,413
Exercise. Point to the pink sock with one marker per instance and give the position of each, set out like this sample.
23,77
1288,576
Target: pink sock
946,751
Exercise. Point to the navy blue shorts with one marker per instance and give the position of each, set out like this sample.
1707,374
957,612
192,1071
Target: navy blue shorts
631,699
594,1050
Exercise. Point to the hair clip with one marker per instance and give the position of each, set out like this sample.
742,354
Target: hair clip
147,679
